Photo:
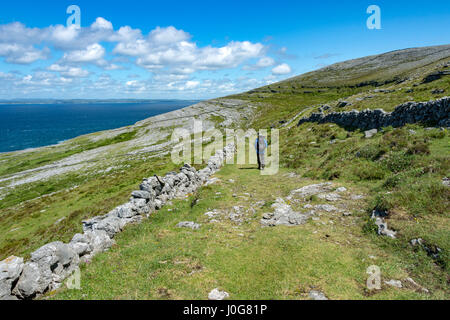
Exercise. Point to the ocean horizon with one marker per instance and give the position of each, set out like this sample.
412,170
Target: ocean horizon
26,125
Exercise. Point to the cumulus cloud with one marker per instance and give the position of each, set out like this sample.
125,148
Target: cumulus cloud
102,24
281,69
22,54
264,62
163,47
71,72
92,53
175,61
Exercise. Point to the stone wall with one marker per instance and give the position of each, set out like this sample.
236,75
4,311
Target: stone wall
51,264
433,112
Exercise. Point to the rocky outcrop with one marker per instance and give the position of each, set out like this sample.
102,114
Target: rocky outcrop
189,224
284,215
216,294
383,230
435,76
51,264
435,112
10,270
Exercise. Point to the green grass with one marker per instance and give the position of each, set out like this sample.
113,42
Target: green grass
156,260
26,225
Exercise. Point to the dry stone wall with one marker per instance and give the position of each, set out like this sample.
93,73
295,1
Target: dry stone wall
434,112
51,264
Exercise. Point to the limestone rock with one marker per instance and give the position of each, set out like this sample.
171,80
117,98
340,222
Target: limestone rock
216,294
317,295
35,279
410,283
188,224
446,182
10,270
284,215
394,283
370,133
310,190
141,194
382,226
330,196
99,241
111,225
326,207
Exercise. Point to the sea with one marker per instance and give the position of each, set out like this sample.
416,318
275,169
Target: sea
24,126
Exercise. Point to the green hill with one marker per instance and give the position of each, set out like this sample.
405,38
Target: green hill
399,171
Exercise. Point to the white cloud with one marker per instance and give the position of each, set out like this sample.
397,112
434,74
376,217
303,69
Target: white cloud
62,36
22,54
265,62
101,23
169,35
282,69
70,72
229,56
75,73
177,64
92,53
166,47
192,84
172,48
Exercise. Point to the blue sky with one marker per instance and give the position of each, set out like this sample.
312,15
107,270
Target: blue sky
194,49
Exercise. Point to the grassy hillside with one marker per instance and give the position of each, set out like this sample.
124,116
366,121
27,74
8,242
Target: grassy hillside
46,192
399,171
156,260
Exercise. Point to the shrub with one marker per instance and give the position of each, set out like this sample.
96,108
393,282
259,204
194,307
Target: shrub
331,174
382,203
392,181
397,138
436,134
397,162
419,147
370,227
371,152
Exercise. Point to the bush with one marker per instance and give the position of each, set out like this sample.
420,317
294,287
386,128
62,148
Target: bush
370,227
419,147
371,152
436,134
392,181
382,203
398,162
396,139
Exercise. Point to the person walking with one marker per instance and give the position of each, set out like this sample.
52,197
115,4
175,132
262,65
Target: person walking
261,146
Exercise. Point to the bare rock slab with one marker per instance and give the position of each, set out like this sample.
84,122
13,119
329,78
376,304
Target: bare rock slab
317,295
284,215
189,224
216,294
